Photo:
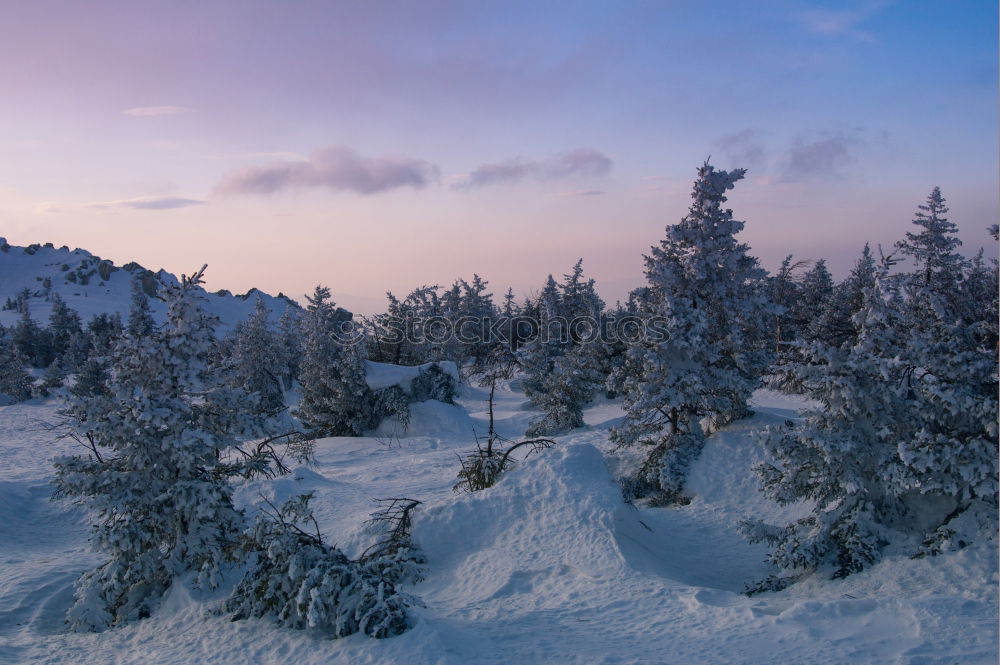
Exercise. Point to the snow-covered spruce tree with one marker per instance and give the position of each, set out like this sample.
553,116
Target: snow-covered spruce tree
433,383
706,351
815,291
336,401
256,363
301,582
843,457
902,445
836,324
140,320
66,333
933,249
538,356
566,390
31,340
103,330
15,382
290,345
160,505
785,289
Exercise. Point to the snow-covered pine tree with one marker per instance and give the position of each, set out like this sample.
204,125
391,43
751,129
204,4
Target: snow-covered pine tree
336,401
835,325
104,331
815,291
140,320
290,345
256,362
537,357
31,340
902,445
566,390
15,382
708,304
784,292
66,334
933,249
160,507
843,457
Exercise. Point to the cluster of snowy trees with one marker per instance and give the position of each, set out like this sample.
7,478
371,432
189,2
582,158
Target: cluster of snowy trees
62,347
901,446
164,433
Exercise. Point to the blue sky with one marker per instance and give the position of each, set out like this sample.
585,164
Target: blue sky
379,146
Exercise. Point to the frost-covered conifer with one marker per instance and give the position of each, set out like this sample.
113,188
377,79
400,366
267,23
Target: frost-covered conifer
15,382
301,582
815,291
707,352
933,249
256,362
844,454
66,333
835,325
32,341
160,505
566,390
140,320
902,444
290,345
336,401
104,330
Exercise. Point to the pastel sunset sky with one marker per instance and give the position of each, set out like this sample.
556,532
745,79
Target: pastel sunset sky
375,146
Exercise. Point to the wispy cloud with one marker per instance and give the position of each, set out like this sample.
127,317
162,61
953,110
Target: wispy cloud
822,156
843,22
151,111
159,203
143,203
743,149
579,162
335,167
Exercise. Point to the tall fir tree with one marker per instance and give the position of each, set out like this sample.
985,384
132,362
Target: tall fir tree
708,302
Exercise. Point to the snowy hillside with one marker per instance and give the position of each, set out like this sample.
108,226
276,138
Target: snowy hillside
91,285
548,566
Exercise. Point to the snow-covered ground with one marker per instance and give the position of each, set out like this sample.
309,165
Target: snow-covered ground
549,566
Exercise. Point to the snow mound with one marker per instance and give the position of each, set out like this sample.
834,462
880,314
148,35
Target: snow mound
431,419
552,517
383,375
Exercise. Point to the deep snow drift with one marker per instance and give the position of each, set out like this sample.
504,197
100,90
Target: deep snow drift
549,566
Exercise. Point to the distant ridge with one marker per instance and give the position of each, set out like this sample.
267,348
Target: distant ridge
92,285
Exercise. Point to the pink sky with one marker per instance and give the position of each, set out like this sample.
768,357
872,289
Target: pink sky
387,145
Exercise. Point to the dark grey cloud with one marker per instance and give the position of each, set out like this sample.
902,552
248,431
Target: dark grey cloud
743,149
579,162
336,167
824,156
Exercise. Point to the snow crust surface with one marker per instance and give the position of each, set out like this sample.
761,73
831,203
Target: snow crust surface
548,566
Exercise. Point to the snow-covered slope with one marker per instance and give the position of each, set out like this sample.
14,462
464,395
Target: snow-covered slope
549,566
91,285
